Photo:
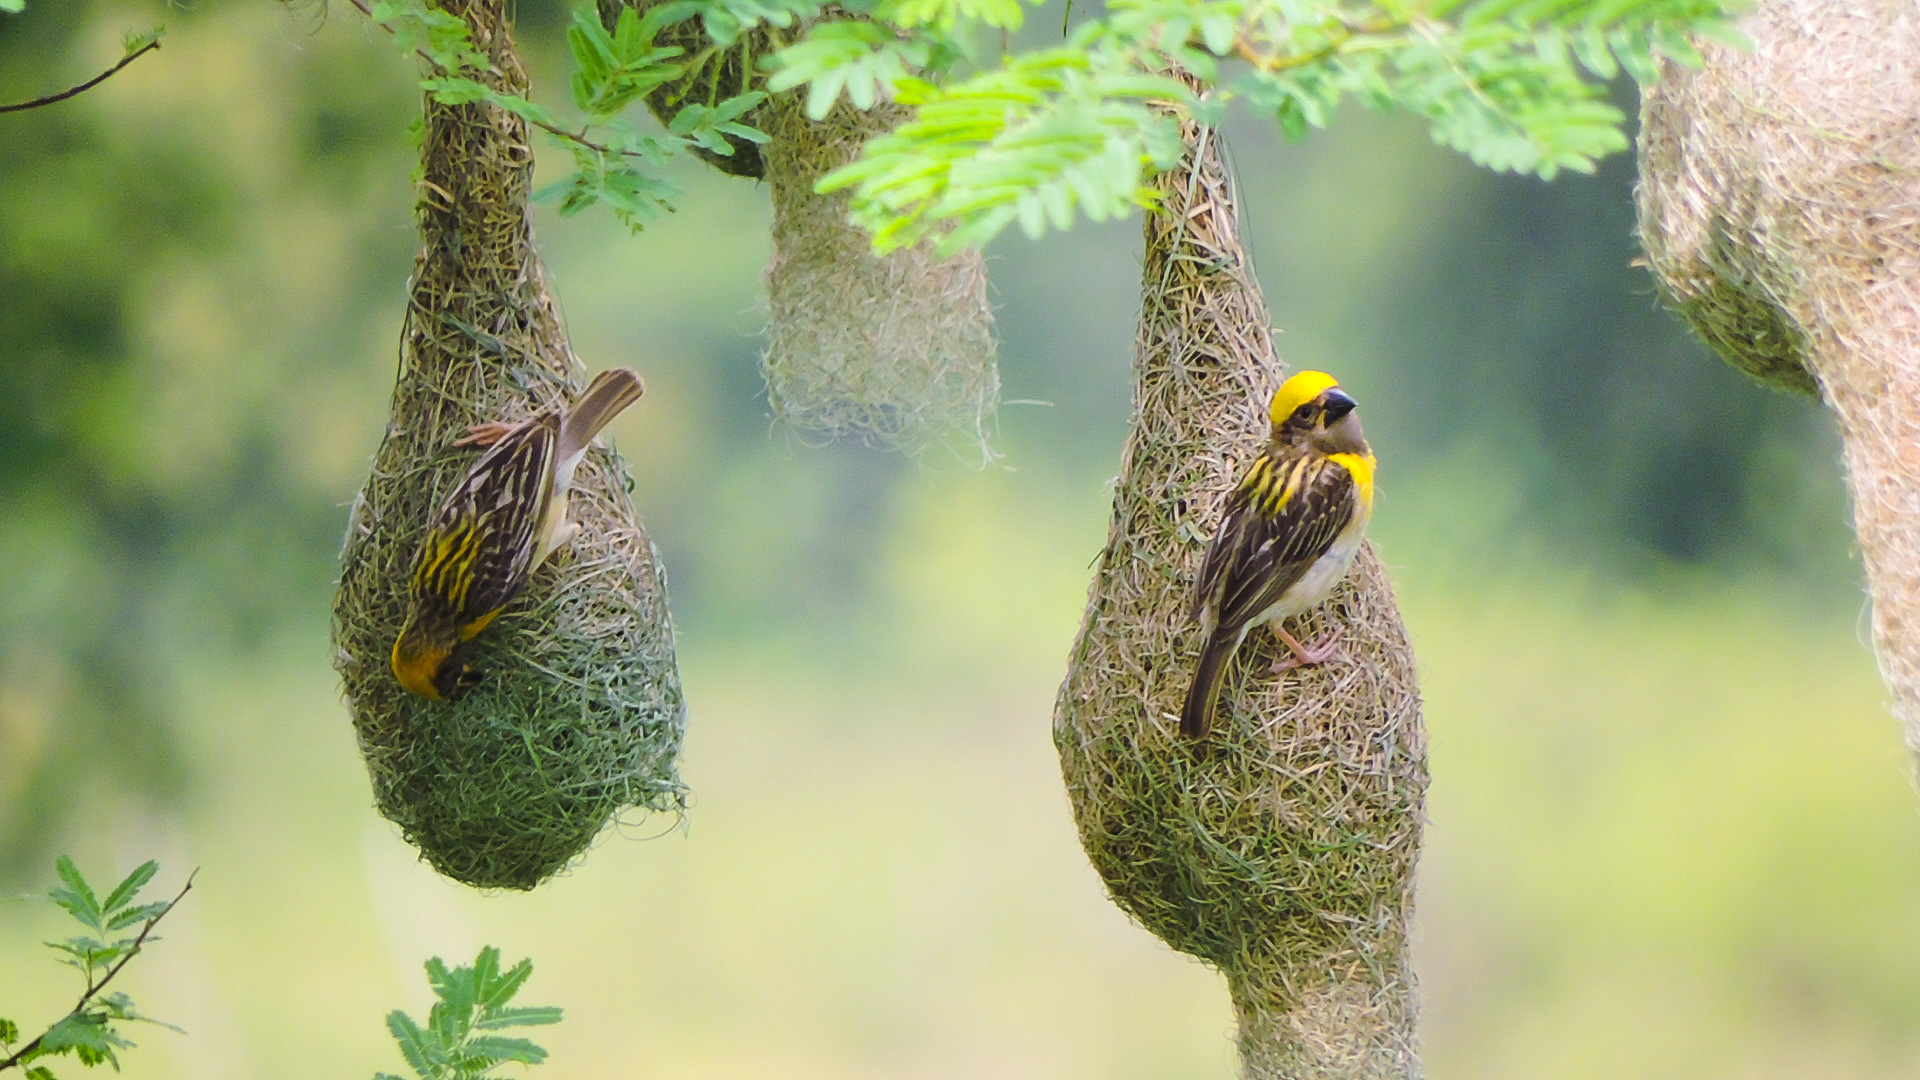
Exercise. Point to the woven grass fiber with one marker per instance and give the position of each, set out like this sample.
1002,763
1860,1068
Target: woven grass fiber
1280,849
578,716
1779,204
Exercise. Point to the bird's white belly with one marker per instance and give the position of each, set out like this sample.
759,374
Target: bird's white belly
1317,583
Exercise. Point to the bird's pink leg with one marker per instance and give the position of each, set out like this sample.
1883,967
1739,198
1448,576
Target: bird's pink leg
1303,655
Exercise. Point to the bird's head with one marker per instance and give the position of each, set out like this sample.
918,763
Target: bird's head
1310,409
428,662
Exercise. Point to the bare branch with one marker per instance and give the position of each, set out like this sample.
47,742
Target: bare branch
81,89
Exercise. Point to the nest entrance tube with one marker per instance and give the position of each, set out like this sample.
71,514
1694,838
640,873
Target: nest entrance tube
1779,204
1281,849
579,714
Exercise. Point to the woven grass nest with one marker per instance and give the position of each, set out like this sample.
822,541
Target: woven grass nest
1281,849
1779,204
578,716
895,351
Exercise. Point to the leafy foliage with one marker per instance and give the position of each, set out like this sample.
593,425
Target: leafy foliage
1052,134
460,1039
611,158
89,1032
1046,136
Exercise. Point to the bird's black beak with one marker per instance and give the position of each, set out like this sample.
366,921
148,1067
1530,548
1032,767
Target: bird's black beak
1337,405
455,676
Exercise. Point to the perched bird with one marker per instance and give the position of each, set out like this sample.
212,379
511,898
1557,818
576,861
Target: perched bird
1291,529
505,518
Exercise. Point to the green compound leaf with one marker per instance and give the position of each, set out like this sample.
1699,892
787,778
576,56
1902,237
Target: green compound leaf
472,999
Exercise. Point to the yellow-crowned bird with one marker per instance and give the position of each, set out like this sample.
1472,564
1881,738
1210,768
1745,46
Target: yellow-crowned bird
1291,529
505,518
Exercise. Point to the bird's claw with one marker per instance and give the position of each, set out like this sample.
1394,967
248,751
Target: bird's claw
485,434
1299,655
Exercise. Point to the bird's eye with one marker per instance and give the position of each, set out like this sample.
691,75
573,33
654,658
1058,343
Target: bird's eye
1304,413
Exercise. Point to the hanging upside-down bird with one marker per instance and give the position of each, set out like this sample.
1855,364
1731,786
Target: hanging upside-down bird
505,518
1291,529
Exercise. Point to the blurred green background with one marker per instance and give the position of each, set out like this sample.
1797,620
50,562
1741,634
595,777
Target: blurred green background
1672,830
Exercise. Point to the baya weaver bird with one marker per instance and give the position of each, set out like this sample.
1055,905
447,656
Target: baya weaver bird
1291,529
502,521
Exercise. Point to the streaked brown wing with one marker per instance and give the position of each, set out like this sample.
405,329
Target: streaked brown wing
479,552
1264,548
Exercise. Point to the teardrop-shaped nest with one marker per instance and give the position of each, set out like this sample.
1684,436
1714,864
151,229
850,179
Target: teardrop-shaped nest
578,715
1280,848
893,350
1779,204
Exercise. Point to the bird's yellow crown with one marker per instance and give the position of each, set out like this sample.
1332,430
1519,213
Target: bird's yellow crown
1299,390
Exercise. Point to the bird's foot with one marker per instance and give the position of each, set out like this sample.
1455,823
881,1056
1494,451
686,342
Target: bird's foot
1303,655
485,434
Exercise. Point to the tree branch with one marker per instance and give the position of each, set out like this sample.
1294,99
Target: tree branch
26,1052
81,89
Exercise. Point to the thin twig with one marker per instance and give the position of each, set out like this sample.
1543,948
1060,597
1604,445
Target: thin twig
555,130
81,89
94,988
1277,62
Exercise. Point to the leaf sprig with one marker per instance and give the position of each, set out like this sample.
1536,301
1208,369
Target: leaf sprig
89,1031
461,1040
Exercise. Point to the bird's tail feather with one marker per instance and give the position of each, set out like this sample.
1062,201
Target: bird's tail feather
611,391
1203,697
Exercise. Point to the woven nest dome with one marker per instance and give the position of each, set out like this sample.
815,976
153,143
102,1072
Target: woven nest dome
1280,849
1779,206
578,715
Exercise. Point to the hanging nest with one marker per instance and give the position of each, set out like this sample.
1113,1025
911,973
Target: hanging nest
894,350
578,715
1280,849
713,75
1779,203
